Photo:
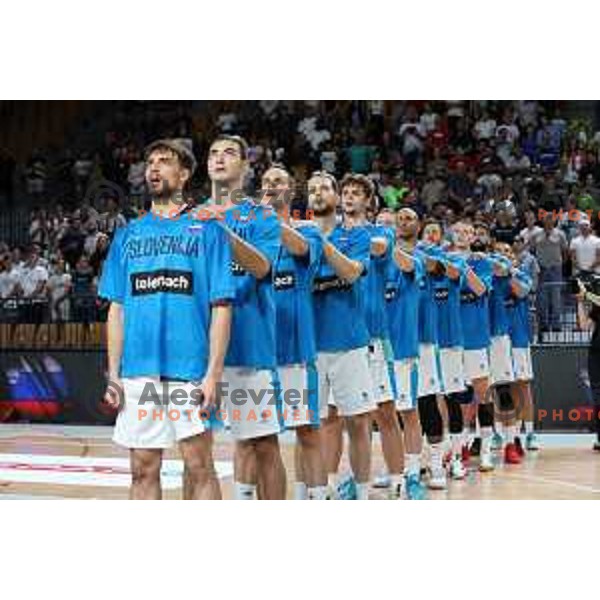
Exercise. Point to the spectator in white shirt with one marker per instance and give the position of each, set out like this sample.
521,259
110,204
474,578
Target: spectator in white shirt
59,288
485,128
531,229
33,276
585,250
9,277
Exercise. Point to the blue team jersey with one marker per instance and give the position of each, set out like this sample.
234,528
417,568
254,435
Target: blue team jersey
446,294
166,273
252,342
339,310
403,295
374,283
293,278
499,317
474,309
518,310
428,328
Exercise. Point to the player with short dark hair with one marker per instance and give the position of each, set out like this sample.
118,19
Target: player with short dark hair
167,277
251,364
342,334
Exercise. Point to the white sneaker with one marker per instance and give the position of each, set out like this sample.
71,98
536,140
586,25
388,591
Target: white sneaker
485,462
438,480
457,469
382,481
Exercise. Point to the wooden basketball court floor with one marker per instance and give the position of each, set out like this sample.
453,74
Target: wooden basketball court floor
76,462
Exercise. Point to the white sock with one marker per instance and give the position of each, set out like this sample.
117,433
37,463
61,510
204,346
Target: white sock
528,426
486,439
300,491
362,491
244,491
396,480
332,480
510,433
318,492
412,464
437,457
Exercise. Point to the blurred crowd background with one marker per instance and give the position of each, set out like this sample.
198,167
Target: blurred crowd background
72,172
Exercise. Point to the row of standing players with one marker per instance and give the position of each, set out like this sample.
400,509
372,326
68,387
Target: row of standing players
363,321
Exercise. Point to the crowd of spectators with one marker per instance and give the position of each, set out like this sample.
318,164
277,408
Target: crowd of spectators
497,162
54,276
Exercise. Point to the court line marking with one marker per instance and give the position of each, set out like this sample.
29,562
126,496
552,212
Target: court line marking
537,479
89,471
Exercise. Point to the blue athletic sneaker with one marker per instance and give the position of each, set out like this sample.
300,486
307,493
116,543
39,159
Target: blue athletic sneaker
497,442
415,490
531,442
346,489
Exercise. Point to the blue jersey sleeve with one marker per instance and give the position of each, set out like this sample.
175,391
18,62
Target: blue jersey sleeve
314,239
266,234
524,280
113,282
358,247
221,283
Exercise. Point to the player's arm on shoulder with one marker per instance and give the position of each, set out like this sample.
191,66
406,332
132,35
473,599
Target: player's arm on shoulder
475,283
345,267
404,261
520,283
293,240
247,256
379,246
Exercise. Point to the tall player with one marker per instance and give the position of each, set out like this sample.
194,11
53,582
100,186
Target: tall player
250,366
358,193
167,277
293,277
342,334
474,311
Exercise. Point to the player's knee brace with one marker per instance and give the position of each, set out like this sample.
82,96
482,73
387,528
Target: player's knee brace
505,399
455,416
431,419
485,413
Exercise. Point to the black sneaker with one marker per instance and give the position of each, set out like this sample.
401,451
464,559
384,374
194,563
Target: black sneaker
475,449
597,446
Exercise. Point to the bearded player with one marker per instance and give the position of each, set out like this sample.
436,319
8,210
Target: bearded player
342,334
167,277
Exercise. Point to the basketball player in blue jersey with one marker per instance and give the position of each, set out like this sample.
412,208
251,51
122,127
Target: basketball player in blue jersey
517,303
474,312
404,297
342,334
428,376
357,194
293,278
170,288
250,365
502,371
447,287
